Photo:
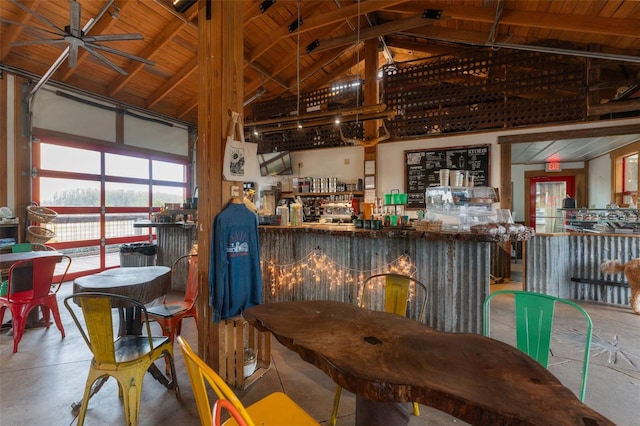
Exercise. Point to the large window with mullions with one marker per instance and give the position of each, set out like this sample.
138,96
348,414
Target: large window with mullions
100,192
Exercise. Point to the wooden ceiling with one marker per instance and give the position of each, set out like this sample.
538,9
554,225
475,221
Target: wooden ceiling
276,59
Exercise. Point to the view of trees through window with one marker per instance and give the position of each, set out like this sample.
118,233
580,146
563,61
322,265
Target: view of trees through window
99,195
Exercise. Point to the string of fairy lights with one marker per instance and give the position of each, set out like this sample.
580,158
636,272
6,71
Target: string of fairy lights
318,268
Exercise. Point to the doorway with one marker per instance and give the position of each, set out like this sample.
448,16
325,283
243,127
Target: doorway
547,195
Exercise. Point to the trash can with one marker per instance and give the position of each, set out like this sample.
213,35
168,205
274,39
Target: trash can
138,254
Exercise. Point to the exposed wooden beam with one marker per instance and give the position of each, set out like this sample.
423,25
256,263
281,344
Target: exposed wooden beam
321,20
336,72
172,83
268,74
373,32
318,62
12,34
627,27
187,107
614,107
571,134
169,32
420,45
370,109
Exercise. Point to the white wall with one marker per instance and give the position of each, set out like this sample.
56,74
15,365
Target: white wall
346,164
600,182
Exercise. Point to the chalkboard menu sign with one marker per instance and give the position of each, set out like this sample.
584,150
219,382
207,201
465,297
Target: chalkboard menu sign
422,169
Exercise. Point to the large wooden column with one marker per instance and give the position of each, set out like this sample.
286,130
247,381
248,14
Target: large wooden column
371,95
220,59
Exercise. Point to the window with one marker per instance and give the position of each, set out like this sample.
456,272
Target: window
99,192
625,175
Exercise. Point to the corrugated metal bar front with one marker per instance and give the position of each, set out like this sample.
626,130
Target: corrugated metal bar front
553,260
589,253
316,266
173,242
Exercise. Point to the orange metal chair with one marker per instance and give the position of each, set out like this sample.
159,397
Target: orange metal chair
30,285
170,314
125,358
397,291
276,409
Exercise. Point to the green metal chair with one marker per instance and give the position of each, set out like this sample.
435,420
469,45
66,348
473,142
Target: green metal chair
534,321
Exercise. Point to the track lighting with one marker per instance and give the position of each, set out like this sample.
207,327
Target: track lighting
266,5
181,6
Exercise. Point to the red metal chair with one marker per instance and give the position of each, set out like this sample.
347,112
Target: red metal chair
30,285
170,314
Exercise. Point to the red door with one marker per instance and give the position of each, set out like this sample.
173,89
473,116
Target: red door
546,194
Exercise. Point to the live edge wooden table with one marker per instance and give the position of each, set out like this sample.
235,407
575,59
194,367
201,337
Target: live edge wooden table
385,358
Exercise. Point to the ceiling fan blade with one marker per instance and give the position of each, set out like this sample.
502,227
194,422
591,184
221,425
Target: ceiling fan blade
73,55
38,16
29,27
74,13
121,53
104,59
31,42
113,37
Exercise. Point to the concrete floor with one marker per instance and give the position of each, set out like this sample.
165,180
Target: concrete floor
40,382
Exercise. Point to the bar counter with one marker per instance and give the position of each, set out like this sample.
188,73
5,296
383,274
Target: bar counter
329,262
567,265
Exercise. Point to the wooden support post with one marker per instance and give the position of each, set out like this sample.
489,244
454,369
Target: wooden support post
371,95
220,62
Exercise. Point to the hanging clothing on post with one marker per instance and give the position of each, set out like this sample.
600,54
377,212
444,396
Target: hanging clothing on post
235,280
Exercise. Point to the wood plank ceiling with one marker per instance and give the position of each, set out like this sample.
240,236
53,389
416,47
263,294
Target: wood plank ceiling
278,60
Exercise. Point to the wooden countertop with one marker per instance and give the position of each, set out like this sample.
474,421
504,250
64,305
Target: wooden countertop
350,230
149,224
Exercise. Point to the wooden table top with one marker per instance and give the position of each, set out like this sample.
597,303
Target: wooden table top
385,357
8,259
142,283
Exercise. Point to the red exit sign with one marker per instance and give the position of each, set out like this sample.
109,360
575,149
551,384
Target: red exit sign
552,167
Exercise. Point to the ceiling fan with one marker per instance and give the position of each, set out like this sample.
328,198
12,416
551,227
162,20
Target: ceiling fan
76,37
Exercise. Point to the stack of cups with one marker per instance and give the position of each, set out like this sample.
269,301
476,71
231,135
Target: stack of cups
444,177
456,177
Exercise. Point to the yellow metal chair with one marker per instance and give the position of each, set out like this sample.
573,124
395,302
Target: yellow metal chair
397,292
125,358
276,409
